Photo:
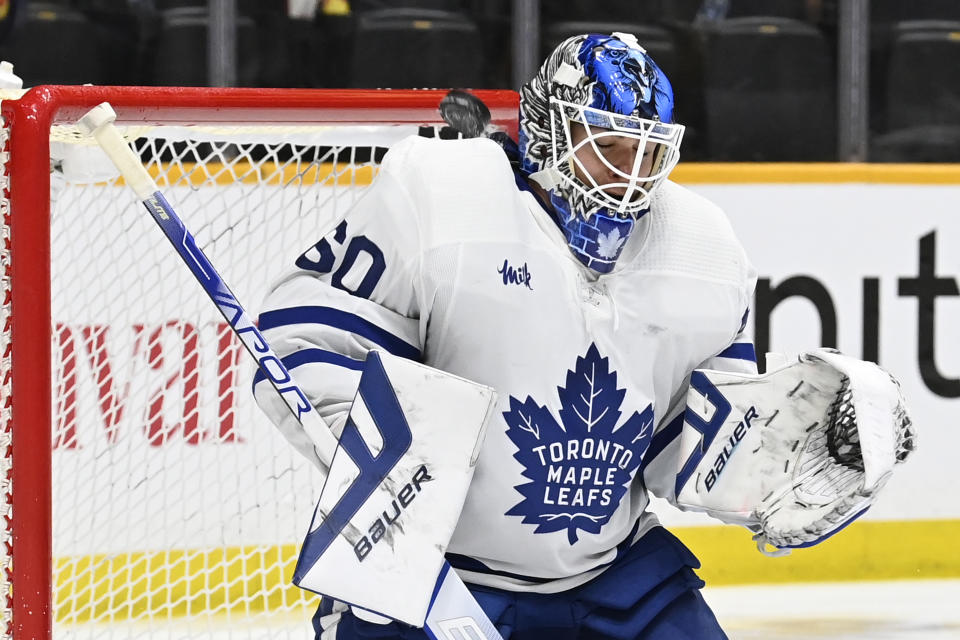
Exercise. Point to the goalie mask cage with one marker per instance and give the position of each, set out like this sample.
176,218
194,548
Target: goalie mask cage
143,493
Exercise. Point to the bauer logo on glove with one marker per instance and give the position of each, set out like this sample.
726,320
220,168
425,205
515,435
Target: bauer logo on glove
794,454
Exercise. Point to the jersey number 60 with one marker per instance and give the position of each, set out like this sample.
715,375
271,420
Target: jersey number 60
321,258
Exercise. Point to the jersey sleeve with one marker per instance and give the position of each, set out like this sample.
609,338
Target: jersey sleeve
739,357
661,460
353,290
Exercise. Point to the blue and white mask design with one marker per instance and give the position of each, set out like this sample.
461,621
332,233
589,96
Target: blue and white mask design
613,94
628,82
596,241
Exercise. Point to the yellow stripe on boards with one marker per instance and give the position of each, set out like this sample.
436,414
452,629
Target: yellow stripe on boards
176,584
194,174
865,550
252,580
344,174
817,173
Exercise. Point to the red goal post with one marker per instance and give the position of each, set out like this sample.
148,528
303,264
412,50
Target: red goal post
78,273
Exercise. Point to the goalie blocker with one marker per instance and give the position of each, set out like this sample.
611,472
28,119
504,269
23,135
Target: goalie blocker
393,497
795,454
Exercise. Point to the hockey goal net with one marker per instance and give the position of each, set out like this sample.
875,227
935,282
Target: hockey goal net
143,493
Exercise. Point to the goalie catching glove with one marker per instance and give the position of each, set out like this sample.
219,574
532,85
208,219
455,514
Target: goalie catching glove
795,454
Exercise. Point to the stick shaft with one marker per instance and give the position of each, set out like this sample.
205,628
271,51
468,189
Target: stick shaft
325,444
108,136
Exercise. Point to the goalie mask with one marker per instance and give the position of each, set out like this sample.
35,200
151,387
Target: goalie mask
594,97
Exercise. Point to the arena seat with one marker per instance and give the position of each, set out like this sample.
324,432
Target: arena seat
769,91
51,43
179,55
920,94
923,77
415,48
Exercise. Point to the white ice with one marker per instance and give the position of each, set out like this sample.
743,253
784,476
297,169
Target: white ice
900,610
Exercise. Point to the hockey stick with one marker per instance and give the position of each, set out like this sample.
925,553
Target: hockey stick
98,122
453,613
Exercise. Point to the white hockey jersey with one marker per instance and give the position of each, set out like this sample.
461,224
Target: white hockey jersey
446,260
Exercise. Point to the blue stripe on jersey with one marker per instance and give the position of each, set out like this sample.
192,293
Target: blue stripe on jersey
661,439
739,351
307,356
340,320
524,185
466,563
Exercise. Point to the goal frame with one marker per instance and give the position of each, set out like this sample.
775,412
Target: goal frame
28,121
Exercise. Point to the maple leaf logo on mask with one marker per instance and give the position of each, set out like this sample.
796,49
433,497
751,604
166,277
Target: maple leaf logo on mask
609,244
579,468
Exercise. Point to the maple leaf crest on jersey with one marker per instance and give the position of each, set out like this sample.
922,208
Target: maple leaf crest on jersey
579,467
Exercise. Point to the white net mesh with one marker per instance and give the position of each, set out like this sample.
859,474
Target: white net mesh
177,508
